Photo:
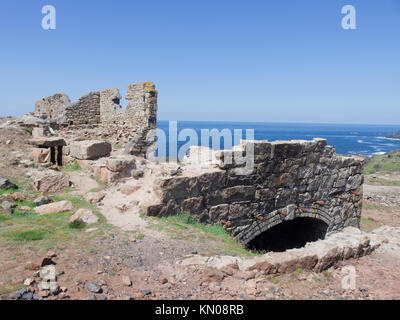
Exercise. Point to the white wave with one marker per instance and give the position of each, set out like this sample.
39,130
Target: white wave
386,138
378,153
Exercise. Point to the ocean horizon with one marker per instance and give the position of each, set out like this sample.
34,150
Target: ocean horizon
355,139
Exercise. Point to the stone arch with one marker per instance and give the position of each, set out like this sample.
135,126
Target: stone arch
287,214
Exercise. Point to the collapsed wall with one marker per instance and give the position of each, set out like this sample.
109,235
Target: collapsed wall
52,107
289,180
103,108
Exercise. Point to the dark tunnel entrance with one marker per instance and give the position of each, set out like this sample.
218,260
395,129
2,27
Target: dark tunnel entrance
289,235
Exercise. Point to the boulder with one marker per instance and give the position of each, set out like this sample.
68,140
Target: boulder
49,181
7,184
40,155
17,196
126,281
42,200
128,190
121,164
84,215
94,197
56,207
89,149
8,205
94,287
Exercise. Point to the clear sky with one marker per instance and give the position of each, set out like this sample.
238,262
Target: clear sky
233,60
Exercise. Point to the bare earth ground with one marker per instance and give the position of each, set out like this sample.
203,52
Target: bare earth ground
147,250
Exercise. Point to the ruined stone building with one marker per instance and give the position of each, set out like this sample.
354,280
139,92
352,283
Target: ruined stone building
103,108
300,188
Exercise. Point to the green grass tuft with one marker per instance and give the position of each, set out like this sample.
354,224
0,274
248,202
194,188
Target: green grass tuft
185,222
77,224
29,235
72,167
389,162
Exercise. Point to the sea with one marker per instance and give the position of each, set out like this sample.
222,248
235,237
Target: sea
356,139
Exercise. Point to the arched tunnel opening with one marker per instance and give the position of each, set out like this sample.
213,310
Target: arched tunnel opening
289,235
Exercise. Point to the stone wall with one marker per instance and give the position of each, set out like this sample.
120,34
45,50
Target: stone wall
103,108
52,107
141,115
110,108
289,179
85,111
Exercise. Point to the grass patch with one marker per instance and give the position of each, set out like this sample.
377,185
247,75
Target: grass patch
7,191
366,220
4,218
29,235
371,206
299,271
327,275
389,162
77,224
72,167
118,147
184,226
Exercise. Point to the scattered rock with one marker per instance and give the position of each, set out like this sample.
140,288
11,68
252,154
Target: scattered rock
17,196
18,294
89,149
95,197
44,293
121,164
28,282
56,207
84,215
8,205
128,190
49,180
126,281
7,184
51,254
121,207
212,275
94,287
32,266
41,201
25,209
47,261
40,155
146,292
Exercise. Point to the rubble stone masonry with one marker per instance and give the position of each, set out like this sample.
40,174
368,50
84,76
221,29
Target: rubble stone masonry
103,108
290,179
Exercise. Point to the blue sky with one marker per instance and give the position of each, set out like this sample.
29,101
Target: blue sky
247,60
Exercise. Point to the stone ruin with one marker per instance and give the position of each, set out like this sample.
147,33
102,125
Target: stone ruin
102,108
298,188
297,191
